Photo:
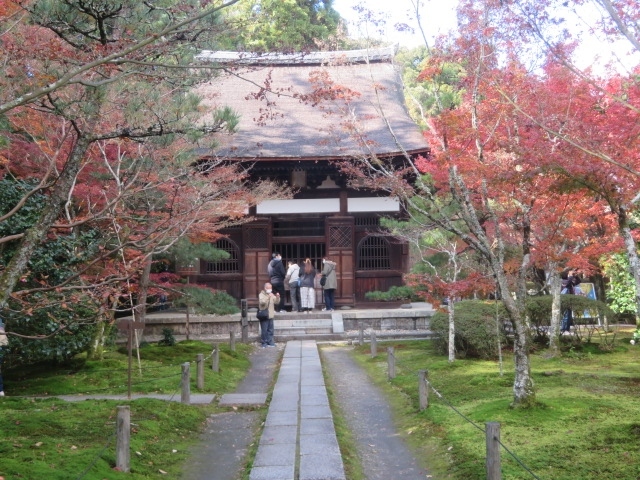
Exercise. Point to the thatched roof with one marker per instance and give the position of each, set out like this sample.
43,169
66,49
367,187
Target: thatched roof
314,106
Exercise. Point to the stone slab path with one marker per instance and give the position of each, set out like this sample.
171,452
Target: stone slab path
299,440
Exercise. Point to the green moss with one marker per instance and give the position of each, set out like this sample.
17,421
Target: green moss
54,439
583,425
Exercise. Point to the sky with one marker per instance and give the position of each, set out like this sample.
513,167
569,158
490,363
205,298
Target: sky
438,16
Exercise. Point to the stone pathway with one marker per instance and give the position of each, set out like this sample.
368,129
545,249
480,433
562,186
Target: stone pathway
299,441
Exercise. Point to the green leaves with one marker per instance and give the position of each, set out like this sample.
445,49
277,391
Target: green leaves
621,292
281,25
205,301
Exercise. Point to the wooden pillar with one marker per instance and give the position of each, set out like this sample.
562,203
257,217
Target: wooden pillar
200,371
123,435
185,396
423,388
493,451
374,345
215,363
244,320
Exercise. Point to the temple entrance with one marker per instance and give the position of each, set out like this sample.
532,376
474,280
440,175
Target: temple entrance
298,252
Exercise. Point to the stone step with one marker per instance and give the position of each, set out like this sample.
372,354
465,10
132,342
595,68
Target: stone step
303,323
319,337
302,316
303,330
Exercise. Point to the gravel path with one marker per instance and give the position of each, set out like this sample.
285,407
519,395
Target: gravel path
222,451
383,453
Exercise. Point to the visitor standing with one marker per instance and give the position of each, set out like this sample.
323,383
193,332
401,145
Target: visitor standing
4,344
293,274
570,282
267,300
307,284
277,273
330,284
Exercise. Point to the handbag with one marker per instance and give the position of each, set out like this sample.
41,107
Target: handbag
263,314
323,280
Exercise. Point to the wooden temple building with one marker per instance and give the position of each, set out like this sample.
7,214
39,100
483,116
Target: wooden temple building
299,115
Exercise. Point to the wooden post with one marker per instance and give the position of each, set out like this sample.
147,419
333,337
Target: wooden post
361,336
123,435
374,345
185,397
493,450
423,388
391,363
232,341
215,365
200,371
244,320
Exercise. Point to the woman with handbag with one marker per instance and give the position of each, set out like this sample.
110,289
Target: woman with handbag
307,291
266,312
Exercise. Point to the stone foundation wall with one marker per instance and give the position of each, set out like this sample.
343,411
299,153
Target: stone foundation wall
201,327
400,323
387,319
206,327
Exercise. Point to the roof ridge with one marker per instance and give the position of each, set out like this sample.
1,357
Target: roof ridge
364,55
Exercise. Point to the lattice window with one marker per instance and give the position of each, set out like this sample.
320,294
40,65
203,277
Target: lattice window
298,228
367,221
229,265
373,254
340,236
257,237
299,251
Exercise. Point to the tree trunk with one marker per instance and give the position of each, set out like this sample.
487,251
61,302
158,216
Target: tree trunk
96,348
51,210
106,319
555,283
143,293
634,262
452,329
523,390
494,253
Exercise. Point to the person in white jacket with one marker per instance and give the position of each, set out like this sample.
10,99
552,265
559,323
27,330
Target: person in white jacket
293,276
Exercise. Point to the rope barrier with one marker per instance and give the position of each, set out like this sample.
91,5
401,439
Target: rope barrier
471,422
113,435
97,456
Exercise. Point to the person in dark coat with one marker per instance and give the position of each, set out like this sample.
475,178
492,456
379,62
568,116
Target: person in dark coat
277,272
331,283
570,282
307,284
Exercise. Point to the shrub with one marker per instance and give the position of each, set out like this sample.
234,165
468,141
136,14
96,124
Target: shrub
56,344
167,338
394,294
585,312
476,331
207,301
